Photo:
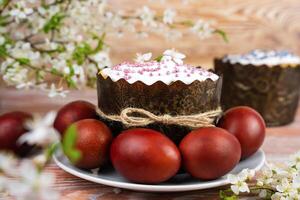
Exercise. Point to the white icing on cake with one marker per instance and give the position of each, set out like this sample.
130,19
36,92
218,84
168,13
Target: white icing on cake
152,71
260,57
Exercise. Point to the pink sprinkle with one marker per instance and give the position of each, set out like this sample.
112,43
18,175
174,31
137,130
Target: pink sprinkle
126,71
150,74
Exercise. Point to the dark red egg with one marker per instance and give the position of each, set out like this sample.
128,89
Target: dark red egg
92,141
247,125
73,112
145,156
11,128
209,153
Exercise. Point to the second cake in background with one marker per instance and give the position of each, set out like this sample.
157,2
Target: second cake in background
268,81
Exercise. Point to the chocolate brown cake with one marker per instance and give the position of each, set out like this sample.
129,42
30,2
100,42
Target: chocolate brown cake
268,81
159,87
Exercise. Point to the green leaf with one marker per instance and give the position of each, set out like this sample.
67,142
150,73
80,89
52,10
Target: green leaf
71,83
23,61
100,43
158,59
222,34
224,196
69,142
3,51
187,23
81,52
54,23
8,39
51,150
54,71
4,20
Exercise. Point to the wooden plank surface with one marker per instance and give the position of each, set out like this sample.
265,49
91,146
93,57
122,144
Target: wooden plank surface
250,24
280,142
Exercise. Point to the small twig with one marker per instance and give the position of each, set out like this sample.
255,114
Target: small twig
92,61
262,188
36,68
5,6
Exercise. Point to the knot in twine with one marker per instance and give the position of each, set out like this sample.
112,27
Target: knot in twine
129,118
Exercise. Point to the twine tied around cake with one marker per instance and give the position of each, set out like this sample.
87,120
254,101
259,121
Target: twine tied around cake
129,118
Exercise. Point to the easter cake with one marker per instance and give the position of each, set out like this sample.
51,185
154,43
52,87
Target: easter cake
268,81
165,87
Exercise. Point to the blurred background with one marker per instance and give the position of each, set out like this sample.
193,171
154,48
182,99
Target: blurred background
249,24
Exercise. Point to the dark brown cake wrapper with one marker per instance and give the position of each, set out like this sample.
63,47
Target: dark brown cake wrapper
174,99
272,91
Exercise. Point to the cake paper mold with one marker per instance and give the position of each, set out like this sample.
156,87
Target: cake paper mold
172,89
268,81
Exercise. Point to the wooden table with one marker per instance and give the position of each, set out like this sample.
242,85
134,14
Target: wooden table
280,142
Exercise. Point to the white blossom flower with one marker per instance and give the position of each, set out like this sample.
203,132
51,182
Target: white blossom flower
239,181
266,177
172,55
26,85
41,131
2,40
20,13
53,92
172,35
140,58
203,29
15,74
147,16
6,163
283,186
23,180
102,58
263,193
296,181
169,15
239,186
32,184
295,160
40,160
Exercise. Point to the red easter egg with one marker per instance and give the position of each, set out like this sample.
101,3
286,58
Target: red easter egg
209,153
145,156
72,112
92,141
247,125
11,128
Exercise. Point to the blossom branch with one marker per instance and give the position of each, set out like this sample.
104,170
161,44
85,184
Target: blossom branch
58,38
275,182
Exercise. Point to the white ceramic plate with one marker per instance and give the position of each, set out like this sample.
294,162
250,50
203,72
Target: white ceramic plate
181,182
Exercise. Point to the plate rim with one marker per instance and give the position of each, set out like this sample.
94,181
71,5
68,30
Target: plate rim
145,187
